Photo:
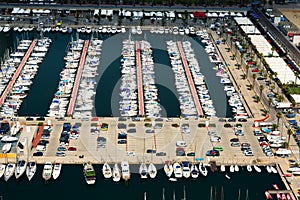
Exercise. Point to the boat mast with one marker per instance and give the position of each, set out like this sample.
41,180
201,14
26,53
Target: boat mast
174,197
222,196
210,195
145,195
239,196
163,198
184,195
247,197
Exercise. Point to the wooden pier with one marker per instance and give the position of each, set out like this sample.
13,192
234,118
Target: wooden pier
190,80
77,80
139,77
17,73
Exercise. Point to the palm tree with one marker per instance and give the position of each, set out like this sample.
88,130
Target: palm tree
280,98
265,112
273,49
270,101
289,133
261,88
254,77
278,115
296,76
247,69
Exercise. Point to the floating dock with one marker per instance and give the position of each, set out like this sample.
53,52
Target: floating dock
17,73
190,80
77,80
139,78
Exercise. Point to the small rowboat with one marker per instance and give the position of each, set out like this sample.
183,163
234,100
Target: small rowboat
268,195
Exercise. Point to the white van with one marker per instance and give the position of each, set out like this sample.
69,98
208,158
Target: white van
181,144
41,148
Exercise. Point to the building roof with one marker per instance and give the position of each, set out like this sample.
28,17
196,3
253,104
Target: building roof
262,45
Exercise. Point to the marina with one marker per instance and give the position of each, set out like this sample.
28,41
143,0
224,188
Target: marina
134,143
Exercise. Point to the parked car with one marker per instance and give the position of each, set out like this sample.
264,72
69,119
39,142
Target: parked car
39,153
235,144
60,154
161,154
122,142
212,153
61,148
72,149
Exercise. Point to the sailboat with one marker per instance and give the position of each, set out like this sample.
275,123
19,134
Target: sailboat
116,173
194,171
203,169
152,170
106,170
143,170
31,169
168,168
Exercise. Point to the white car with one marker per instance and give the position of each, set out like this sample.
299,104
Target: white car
130,153
181,144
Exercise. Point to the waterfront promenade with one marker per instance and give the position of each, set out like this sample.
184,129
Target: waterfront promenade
17,73
77,80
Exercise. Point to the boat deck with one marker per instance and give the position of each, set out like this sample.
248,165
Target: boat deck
190,79
17,73
77,80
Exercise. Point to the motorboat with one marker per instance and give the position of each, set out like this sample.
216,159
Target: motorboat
275,186
273,169
227,176
249,168
236,168
288,197
278,195
268,195
222,168
186,172
89,173
231,168
2,169
283,196
56,170
6,147
257,168
9,171
173,179
116,173
20,168
168,168
7,138
106,170
268,168
125,170
177,170
203,169
194,171
143,170
47,171
152,171
31,169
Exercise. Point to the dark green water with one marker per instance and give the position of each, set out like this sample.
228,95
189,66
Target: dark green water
71,185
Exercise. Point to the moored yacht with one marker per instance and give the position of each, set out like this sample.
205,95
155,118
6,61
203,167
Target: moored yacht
177,170
2,169
20,168
194,171
125,170
152,170
249,168
116,173
203,169
143,170
257,168
106,171
31,169
186,169
89,173
56,170
47,171
168,168
9,171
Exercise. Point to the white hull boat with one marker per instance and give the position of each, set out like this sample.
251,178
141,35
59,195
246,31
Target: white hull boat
9,171
152,170
116,173
203,169
125,170
143,171
236,168
186,172
6,148
56,170
2,169
194,171
231,168
168,168
47,171
20,168
257,168
268,168
249,168
31,169
106,171
222,168
273,169
177,170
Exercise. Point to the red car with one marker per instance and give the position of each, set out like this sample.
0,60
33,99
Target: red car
255,70
72,149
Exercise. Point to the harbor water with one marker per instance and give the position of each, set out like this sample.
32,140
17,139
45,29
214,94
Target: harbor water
108,87
71,185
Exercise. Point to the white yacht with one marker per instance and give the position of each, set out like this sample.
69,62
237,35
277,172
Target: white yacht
186,172
194,171
47,171
177,170
2,169
152,170
236,168
106,171
9,171
56,170
273,169
31,169
20,168
125,170
231,168
168,168
116,173
257,168
268,168
203,169
249,168
6,147
143,170
222,168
